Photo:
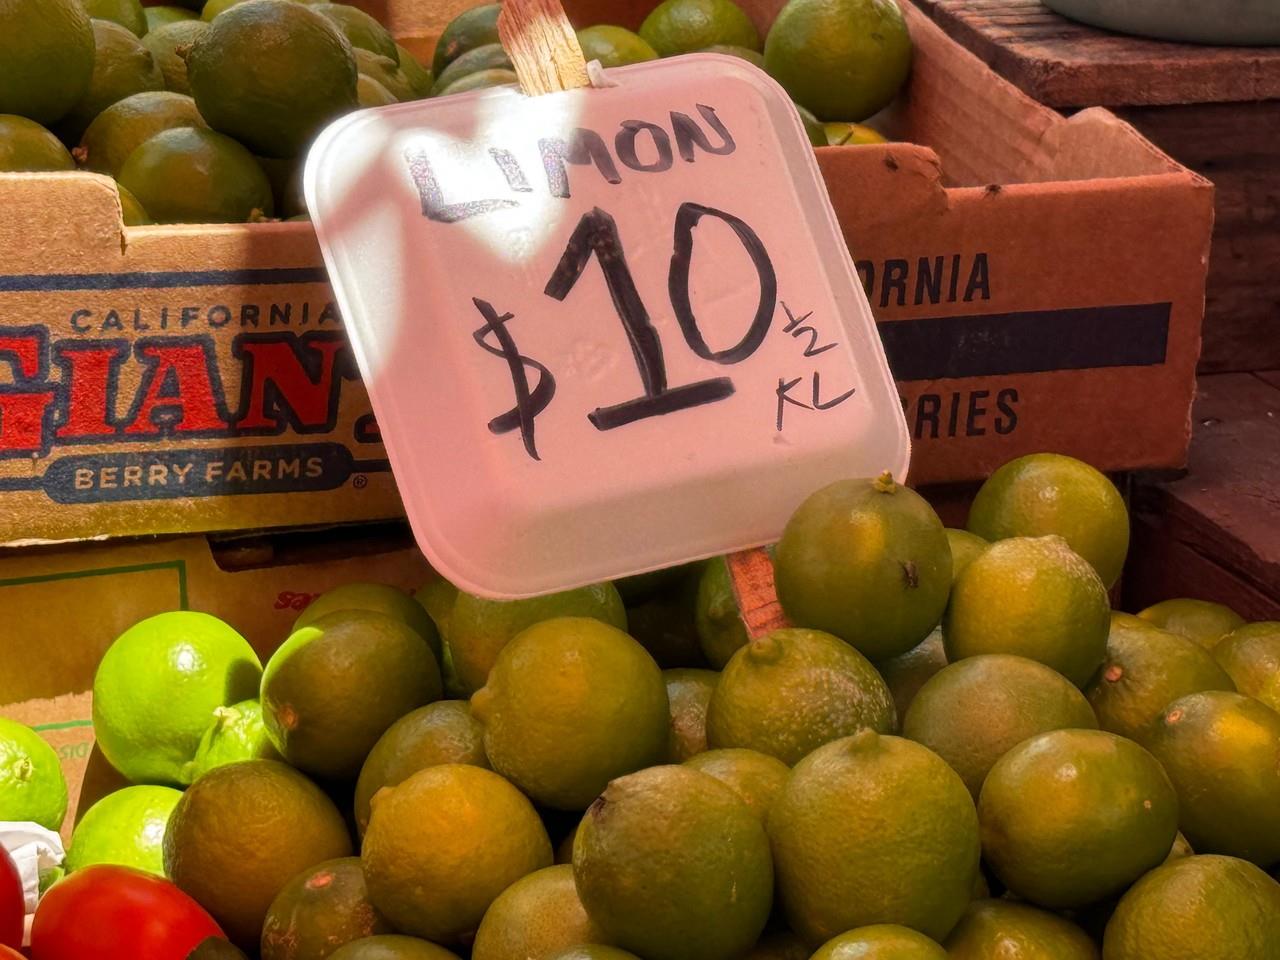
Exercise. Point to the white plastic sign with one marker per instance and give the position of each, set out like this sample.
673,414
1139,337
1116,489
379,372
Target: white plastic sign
604,331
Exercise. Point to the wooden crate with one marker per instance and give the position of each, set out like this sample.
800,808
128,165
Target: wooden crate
1215,109
1215,533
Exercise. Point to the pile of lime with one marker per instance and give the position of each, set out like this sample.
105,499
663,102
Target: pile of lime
956,749
203,112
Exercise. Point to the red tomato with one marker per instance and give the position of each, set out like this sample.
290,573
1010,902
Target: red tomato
13,905
117,913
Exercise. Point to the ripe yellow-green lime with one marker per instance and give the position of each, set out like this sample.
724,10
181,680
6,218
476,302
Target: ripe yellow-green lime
571,704
442,732
167,44
444,844
378,597
128,13
755,777
536,917
259,822
594,951
131,211
46,58
1004,928
1048,494
688,693
1145,670
236,733
881,941
193,175
158,17
1202,907
124,126
275,105
841,134
437,597
157,688
480,80
1222,752
122,66
479,628
614,46
392,947
866,560
371,93
906,673
386,72
1033,597
790,691
965,547
491,56
1074,816
1200,620
721,632
470,29
419,76
753,57
336,685
361,29
873,829
320,910
1251,655
126,828
27,147
843,59
31,783
974,712
684,26
673,865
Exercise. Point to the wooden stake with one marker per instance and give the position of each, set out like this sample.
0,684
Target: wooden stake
543,46
751,572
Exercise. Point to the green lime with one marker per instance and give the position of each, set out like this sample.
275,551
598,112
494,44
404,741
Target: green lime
906,673
873,829
336,685
479,628
965,547
27,147
158,17
419,77
1002,928
1251,655
813,127
721,632
753,57
193,175
444,844
673,865
470,29
371,93
571,704
843,59
319,910
122,66
132,212
441,732
790,691
123,127
1145,670
688,692
882,941
128,13
491,56
168,44
260,822
614,46
755,777
437,597
842,134
1200,620
536,916
378,597
274,105
1047,494
236,733
361,29
684,26
1035,598
480,80
157,687
866,560
973,712
46,58
1074,816
31,783
392,947
126,828
387,73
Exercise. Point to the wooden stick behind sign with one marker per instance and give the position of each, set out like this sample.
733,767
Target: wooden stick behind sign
543,46
751,572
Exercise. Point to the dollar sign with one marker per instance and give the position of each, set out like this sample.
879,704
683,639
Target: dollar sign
529,403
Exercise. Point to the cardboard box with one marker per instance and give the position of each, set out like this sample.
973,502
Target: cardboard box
1039,283
64,607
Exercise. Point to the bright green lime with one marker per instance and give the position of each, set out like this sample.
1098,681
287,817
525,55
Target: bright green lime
237,733
126,828
683,26
31,783
614,46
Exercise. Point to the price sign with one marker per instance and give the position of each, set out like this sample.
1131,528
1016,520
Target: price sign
604,330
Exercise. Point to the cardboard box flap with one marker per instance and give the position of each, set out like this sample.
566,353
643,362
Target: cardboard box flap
1096,144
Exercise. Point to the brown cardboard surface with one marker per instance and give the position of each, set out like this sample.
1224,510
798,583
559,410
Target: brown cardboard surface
1039,282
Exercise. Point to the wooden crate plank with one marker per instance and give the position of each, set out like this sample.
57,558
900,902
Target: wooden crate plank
1066,64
